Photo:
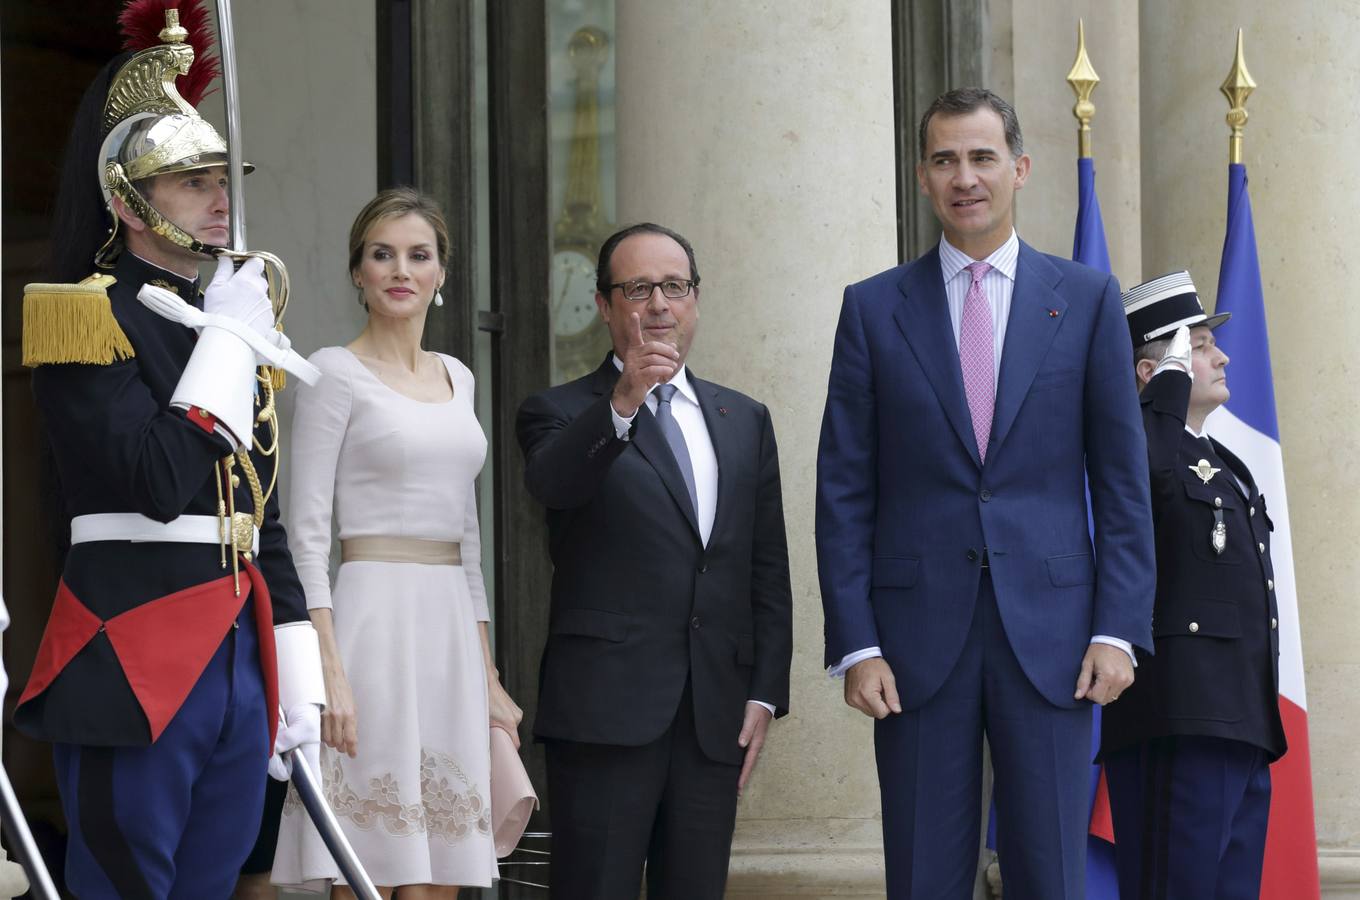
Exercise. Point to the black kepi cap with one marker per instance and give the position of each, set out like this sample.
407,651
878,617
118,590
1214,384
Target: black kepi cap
1158,307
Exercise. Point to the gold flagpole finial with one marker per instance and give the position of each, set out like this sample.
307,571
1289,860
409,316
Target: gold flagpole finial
1237,87
1083,79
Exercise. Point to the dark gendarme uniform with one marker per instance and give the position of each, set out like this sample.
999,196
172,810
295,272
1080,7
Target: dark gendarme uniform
1187,747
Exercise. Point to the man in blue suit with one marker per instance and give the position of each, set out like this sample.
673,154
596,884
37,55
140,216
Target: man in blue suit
973,394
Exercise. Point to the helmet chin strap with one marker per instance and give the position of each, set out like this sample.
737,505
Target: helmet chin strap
118,185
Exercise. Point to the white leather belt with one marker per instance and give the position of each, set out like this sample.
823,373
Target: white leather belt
139,528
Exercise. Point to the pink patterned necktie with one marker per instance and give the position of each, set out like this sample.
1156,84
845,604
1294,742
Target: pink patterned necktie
977,356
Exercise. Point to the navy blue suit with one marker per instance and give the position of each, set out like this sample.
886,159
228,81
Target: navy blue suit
980,582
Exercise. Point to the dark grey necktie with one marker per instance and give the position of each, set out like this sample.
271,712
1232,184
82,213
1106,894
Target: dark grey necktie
675,438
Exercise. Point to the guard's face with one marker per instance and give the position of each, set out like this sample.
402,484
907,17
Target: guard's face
1210,388
196,201
655,258
400,271
971,178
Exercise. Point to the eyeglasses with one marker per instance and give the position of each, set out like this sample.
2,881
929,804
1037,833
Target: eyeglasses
640,291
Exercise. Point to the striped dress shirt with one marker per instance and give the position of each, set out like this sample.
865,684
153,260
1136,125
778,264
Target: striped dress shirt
998,285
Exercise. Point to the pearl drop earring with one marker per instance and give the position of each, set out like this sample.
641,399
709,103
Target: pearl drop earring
438,299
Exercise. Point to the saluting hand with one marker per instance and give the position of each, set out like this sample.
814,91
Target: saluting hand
645,364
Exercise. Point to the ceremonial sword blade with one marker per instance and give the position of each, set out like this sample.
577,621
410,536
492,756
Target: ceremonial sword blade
309,791
231,88
21,840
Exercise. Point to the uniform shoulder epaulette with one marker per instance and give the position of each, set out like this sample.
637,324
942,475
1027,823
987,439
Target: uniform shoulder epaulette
72,323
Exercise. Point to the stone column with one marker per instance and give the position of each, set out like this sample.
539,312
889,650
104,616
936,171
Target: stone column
1304,183
1033,48
763,131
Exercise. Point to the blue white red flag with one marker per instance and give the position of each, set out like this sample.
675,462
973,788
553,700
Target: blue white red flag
1088,247
1247,426
1102,881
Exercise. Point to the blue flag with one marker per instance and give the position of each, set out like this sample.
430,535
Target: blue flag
1088,247
1088,244
1239,292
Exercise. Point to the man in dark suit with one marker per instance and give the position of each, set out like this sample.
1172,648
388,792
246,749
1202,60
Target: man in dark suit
1188,750
973,392
670,634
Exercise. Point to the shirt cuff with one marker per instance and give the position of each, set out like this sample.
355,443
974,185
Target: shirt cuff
768,706
1117,642
850,659
621,425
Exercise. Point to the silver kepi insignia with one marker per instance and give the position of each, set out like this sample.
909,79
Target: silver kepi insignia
1204,470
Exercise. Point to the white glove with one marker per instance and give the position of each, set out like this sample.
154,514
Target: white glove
299,729
242,294
271,346
1177,355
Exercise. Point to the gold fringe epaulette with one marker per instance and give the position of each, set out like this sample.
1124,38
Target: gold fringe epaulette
72,323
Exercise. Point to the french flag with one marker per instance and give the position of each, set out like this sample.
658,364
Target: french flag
1247,426
1089,248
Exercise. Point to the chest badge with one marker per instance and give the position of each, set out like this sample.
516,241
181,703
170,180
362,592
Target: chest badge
1204,470
1218,539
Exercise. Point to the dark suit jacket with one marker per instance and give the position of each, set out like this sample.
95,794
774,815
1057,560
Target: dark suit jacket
906,510
1216,669
639,604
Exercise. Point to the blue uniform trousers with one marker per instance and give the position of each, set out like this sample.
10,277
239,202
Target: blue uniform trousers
177,818
1190,818
930,775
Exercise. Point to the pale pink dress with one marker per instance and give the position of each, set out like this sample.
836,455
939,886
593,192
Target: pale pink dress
415,803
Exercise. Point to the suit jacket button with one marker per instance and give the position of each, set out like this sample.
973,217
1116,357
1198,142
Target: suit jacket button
1252,511
1270,584
1274,623
985,495
972,555
1218,502
703,568
694,623
1194,627
1260,548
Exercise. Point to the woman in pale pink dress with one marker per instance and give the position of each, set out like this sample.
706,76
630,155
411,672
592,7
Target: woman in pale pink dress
387,447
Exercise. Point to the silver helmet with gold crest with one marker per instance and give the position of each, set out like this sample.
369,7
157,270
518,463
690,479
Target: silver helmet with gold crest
149,124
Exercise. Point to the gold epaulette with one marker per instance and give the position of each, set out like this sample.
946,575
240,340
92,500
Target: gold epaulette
72,323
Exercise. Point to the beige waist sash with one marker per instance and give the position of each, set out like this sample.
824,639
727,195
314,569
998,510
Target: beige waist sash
401,549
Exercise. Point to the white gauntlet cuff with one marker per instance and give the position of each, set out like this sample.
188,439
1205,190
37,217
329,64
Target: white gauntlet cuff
220,378
299,656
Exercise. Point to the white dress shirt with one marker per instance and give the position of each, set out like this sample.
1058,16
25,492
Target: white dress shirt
997,286
690,417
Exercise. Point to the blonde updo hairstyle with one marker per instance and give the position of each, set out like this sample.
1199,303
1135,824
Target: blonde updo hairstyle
394,203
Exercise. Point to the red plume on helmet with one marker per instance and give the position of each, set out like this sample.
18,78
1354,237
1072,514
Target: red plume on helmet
141,22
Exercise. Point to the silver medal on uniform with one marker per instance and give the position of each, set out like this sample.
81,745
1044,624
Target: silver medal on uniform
1204,470
1219,538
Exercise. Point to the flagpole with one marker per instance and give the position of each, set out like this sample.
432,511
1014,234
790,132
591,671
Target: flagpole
1237,87
1083,79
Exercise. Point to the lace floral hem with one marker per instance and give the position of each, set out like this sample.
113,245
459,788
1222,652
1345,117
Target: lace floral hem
451,806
